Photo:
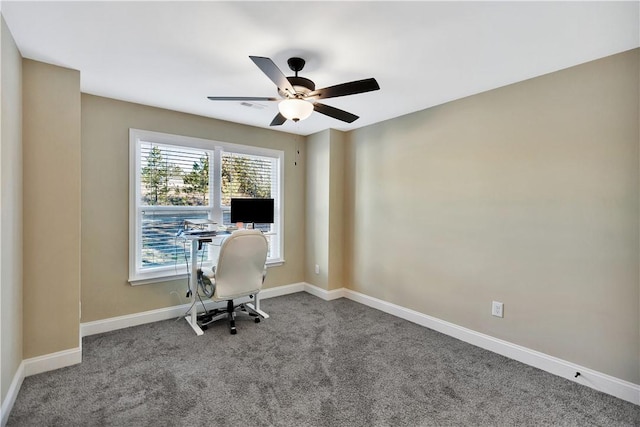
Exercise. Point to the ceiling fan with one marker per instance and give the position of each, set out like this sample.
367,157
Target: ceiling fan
298,95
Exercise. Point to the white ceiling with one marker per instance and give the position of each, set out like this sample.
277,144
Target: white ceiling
174,54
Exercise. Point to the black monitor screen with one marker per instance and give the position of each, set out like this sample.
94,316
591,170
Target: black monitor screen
252,210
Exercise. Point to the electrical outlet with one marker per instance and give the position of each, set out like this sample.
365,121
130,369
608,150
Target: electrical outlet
317,269
497,309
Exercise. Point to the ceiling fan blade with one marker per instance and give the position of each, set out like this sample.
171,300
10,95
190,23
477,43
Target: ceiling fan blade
241,98
334,112
350,88
273,72
278,120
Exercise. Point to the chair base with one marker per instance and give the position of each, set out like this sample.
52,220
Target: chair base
229,313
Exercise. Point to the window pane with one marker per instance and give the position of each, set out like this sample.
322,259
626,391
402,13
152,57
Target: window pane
160,247
246,176
173,176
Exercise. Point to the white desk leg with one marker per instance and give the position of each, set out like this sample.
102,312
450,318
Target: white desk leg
192,318
256,308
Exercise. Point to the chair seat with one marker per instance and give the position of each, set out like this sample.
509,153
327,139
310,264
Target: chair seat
235,296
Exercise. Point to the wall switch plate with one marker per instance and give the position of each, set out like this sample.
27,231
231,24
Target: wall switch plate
497,309
317,269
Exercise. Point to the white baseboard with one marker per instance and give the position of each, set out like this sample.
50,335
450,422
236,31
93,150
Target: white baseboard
282,290
136,319
324,294
49,362
602,382
12,394
120,322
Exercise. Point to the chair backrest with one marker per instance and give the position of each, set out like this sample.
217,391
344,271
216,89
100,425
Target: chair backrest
241,264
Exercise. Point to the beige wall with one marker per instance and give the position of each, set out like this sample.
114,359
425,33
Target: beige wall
317,164
528,195
324,209
51,246
105,202
10,209
336,209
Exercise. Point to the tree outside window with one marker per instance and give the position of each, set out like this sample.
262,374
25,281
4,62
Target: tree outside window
196,182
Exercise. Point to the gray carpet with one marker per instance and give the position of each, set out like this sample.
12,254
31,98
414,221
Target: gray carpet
313,363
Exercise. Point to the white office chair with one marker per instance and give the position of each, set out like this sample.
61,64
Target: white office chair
240,272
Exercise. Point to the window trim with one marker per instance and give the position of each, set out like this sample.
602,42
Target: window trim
163,274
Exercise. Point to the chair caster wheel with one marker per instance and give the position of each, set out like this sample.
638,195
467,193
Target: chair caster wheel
233,331
204,328
257,320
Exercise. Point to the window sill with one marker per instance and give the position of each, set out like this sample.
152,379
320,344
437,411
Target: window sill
157,279
180,276
275,263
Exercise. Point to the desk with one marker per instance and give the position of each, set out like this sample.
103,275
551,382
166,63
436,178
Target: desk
196,241
192,317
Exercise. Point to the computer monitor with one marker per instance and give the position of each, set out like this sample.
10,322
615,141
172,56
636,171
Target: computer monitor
259,211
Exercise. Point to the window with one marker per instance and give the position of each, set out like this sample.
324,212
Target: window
173,178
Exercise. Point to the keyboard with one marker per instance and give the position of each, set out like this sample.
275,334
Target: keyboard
199,233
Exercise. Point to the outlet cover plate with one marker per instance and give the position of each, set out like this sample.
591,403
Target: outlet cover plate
497,309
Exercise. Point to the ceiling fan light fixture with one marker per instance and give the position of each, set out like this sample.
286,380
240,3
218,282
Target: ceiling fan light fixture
295,109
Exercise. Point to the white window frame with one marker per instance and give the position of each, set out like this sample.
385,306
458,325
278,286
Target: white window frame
139,276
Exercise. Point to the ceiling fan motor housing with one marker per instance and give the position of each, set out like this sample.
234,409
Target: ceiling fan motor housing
301,85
